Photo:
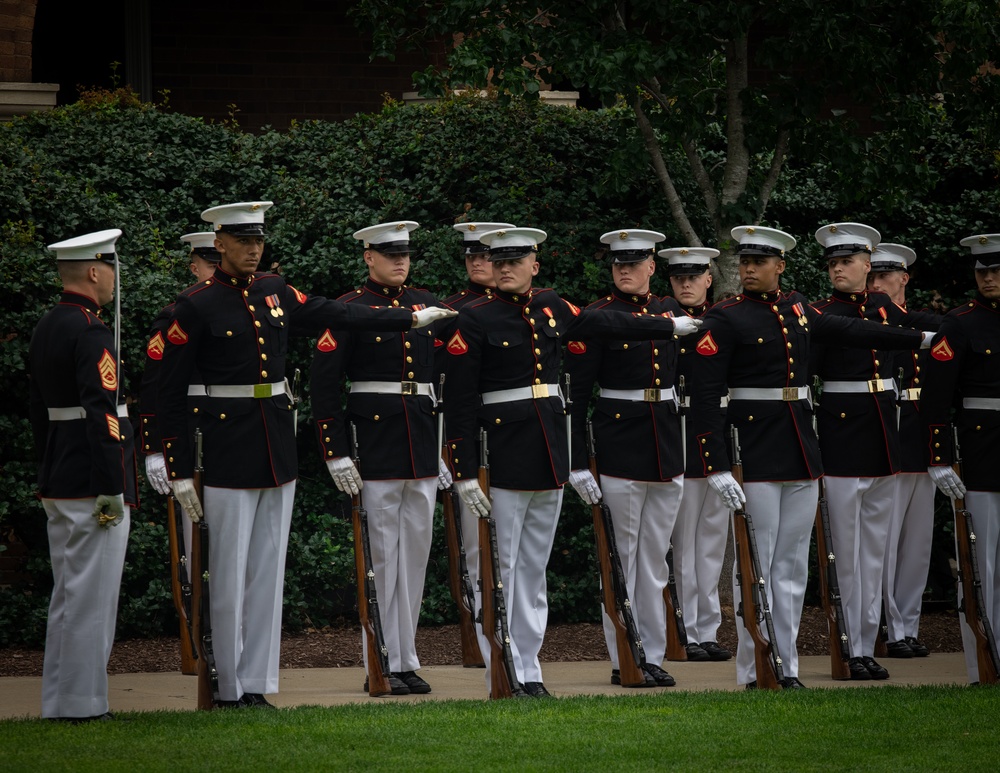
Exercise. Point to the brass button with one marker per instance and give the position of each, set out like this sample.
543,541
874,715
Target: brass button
709,468
497,421
222,415
704,440
656,351
409,374
538,366
407,344
409,359
749,418
195,410
378,339
618,415
657,382
538,351
263,374
625,346
324,426
256,322
229,333
263,356
506,344
760,340
843,415
376,417
251,307
169,445
260,340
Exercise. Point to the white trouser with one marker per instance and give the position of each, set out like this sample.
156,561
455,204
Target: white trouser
783,514
985,509
470,540
248,538
643,514
908,553
699,541
400,520
526,527
87,562
860,511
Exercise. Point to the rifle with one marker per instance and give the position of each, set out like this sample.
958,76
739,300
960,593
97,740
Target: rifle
614,593
503,675
829,591
458,568
371,622
180,586
677,638
973,603
208,674
753,606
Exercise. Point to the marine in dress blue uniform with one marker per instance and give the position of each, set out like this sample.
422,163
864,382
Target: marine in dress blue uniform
860,437
702,528
86,477
637,437
391,402
962,387
755,348
503,372
911,526
231,334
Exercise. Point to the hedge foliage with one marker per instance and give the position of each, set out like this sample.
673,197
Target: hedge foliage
110,162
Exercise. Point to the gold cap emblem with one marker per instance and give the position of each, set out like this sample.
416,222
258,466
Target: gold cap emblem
749,229
684,251
254,207
833,229
623,235
400,226
472,227
983,240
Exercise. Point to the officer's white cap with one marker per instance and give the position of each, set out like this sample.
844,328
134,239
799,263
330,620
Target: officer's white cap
245,218
759,240
985,248
99,245
630,245
388,238
842,239
688,261
470,235
892,257
512,243
202,244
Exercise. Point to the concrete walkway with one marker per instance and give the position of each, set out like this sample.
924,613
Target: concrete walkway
20,697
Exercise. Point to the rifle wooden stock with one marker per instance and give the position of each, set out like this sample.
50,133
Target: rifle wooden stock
677,639
829,591
459,582
753,604
180,586
208,674
614,593
973,603
503,675
375,648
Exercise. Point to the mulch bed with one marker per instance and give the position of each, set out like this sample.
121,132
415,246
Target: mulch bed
340,647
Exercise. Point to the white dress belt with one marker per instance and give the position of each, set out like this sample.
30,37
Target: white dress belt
393,388
534,392
686,401
76,412
785,394
860,387
981,403
259,391
652,395
912,394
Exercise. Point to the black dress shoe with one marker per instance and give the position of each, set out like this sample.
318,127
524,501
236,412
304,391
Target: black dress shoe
396,687
876,671
792,683
107,716
716,651
750,685
858,669
536,690
695,653
661,677
221,704
899,649
616,678
919,649
416,685
254,700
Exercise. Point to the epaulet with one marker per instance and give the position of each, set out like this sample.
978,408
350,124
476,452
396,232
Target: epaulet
196,288
822,303
353,295
736,300
600,303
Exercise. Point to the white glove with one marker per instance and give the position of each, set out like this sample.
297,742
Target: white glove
947,481
728,489
185,494
424,317
474,497
585,485
444,476
685,325
928,336
156,473
109,509
345,475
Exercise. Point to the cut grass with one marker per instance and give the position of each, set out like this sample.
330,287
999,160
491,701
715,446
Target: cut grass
885,728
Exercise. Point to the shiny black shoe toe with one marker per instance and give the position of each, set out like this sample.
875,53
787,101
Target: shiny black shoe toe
899,649
919,649
695,653
661,677
716,651
750,685
858,669
396,687
792,683
616,678
220,704
254,700
536,690
416,685
876,671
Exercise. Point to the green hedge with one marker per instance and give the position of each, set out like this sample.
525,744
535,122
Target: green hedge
109,161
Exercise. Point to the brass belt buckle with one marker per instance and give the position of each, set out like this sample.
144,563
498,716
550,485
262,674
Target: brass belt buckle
408,387
875,385
789,394
261,391
651,395
539,390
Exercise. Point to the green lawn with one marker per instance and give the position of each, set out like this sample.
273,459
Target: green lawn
885,728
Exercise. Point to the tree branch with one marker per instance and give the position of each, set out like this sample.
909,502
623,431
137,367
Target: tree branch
774,171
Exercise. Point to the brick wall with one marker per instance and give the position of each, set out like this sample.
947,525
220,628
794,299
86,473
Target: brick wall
17,20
